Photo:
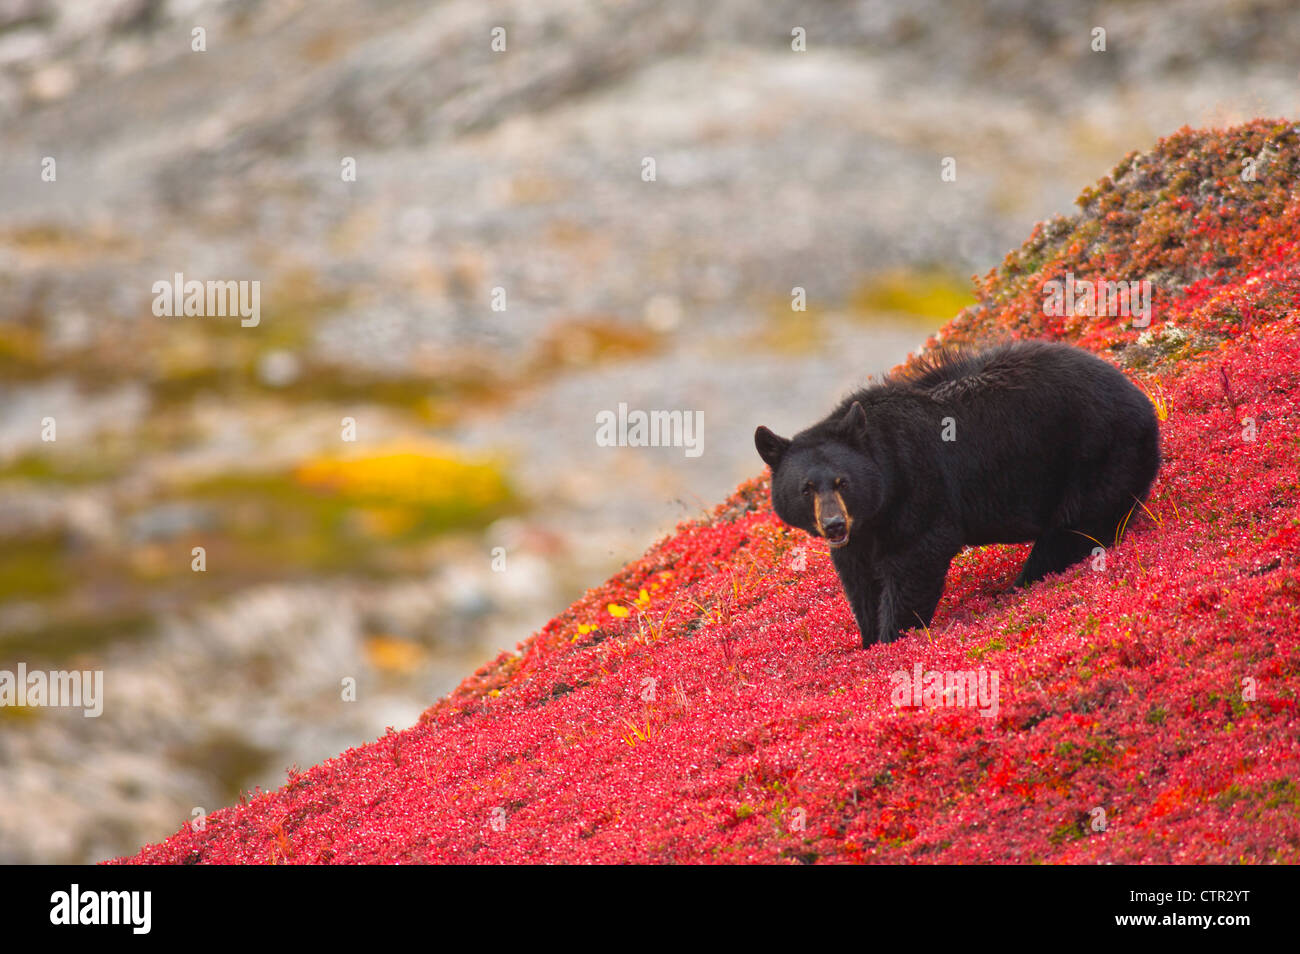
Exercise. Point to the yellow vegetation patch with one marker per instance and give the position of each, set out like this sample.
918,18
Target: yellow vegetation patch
923,293
411,474
393,655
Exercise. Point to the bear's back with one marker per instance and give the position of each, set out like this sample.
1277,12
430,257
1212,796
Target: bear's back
1033,371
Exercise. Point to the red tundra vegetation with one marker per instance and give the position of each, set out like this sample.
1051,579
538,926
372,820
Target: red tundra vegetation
710,702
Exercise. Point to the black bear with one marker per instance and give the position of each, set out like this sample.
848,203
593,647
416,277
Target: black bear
1025,441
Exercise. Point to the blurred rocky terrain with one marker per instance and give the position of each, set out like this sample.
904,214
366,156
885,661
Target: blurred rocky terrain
475,170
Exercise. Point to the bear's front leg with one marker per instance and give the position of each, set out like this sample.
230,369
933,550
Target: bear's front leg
853,566
909,588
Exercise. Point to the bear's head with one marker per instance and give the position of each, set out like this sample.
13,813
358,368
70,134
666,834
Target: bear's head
824,480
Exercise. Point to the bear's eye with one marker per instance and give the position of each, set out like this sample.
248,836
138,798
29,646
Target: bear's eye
840,483
807,488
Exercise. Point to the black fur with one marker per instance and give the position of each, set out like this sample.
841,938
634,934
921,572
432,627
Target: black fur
1052,444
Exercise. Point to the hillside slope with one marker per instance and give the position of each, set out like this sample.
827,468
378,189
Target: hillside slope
709,703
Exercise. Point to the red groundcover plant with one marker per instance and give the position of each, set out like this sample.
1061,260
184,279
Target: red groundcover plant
710,702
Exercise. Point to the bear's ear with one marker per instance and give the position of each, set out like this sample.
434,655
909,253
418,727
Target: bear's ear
770,447
855,421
